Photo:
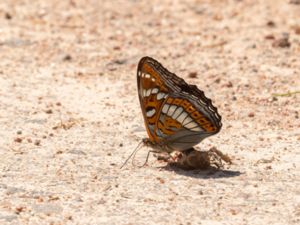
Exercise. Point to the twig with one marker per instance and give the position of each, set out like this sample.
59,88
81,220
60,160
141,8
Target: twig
288,94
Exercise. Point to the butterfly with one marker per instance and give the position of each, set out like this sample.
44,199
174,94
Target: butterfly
177,115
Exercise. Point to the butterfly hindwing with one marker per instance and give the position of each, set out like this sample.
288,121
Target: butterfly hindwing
181,125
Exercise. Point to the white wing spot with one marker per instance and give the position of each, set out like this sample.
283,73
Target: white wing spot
154,90
171,110
160,95
187,120
165,108
148,92
196,129
177,112
153,79
147,75
181,118
191,125
150,113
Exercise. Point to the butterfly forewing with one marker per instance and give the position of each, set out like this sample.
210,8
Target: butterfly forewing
152,93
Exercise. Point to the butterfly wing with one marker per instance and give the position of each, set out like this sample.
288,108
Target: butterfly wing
152,93
183,122
183,117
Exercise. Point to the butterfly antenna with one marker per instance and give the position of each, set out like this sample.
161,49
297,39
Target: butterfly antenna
132,154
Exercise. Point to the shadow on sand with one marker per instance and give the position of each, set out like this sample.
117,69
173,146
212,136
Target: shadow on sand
211,172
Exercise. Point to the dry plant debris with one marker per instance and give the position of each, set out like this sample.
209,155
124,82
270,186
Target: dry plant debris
192,159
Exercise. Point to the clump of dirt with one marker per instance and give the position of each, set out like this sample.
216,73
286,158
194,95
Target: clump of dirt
192,159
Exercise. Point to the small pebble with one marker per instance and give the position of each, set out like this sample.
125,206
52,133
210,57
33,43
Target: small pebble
49,111
297,30
69,218
67,57
282,42
218,80
261,138
193,74
270,23
268,167
233,212
229,84
119,61
270,37
251,114
18,139
19,209
295,2
8,16
273,99
37,142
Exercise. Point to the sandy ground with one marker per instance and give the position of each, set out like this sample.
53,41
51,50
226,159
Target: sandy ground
70,116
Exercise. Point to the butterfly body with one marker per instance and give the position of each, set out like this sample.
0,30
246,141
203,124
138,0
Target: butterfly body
177,115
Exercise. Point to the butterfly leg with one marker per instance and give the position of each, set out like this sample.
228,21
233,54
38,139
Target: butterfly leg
148,154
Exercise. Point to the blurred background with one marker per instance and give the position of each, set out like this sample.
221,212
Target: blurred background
70,115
